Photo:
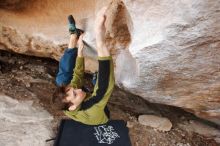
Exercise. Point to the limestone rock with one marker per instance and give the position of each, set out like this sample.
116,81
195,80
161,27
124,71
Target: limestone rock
166,51
30,125
159,123
200,128
175,45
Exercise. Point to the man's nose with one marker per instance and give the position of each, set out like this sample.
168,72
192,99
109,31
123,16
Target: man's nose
68,98
80,90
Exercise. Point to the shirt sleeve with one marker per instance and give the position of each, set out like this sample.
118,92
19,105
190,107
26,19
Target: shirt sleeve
78,73
104,85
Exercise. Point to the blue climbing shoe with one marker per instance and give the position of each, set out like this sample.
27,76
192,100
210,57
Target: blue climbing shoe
72,26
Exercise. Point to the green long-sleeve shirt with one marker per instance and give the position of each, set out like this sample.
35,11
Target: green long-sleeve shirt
91,111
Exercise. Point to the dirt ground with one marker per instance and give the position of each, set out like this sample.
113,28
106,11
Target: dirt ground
26,77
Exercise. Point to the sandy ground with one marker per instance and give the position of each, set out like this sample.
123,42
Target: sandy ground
28,82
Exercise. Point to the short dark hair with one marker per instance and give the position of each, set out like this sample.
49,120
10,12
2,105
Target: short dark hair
57,99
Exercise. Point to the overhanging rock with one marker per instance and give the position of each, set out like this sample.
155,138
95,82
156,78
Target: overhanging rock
165,51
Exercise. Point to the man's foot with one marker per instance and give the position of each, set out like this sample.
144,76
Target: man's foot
72,26
79,31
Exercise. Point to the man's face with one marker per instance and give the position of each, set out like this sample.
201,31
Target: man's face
74,97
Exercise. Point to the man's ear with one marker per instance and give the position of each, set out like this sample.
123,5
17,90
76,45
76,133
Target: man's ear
64,100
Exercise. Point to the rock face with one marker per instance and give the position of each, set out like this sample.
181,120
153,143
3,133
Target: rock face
202,129
23,124
165,51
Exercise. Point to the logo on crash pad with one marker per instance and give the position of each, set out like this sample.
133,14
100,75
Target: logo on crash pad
105,134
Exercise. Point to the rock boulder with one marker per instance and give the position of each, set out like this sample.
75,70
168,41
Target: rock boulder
166,51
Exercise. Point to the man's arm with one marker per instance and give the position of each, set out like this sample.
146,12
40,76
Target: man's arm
78,72
105,82
104,85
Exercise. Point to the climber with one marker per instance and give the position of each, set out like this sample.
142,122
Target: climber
81,106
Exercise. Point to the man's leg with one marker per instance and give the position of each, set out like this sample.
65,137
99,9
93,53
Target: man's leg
67,63
68,60
73,41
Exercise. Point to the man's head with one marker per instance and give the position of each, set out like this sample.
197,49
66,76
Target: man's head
68,97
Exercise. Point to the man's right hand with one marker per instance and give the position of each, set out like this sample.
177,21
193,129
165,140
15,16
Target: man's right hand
100,31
